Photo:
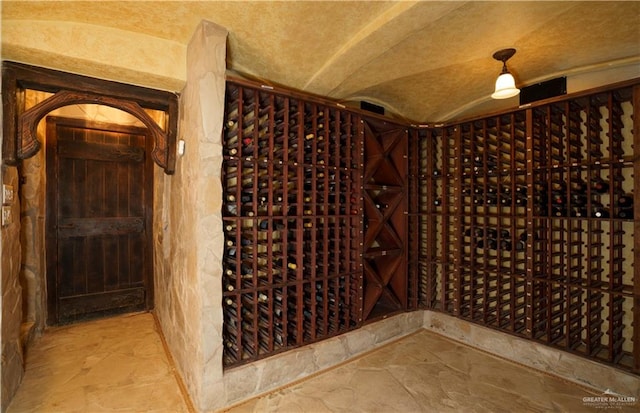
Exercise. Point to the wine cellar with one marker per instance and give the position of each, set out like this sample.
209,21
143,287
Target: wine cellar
521,221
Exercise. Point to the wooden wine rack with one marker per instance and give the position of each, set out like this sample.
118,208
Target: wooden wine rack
292,179
385,221
524,223
520,221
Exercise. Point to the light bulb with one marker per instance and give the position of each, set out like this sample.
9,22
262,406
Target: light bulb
505,87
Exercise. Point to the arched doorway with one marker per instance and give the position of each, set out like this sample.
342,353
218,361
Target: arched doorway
20,136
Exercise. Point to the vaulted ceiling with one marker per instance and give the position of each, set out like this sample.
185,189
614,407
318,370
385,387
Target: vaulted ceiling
424,60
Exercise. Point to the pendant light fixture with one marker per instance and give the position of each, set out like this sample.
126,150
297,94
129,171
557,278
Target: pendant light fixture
505,84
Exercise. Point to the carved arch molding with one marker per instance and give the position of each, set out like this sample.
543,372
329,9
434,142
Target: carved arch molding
20,128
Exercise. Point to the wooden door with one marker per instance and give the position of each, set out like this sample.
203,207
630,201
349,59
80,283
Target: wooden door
385,219
99,214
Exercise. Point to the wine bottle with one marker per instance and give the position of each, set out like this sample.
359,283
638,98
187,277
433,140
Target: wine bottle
246,197
625,206
598,210
232,209
558,211
505,245
625,201
578,199
245,270
231,241
521,191
581,186
626,213
231,252
341,199
578,211
542,200
491,233
558,198
599,185
291,264
477,232
521,200
230,151
249,118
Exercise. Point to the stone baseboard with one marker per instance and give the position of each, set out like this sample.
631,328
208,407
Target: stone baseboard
571,367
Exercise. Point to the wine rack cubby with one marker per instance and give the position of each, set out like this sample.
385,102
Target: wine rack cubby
524,222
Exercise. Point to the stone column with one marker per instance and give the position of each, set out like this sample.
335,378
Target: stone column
189,243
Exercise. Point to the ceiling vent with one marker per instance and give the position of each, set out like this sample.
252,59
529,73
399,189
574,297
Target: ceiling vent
544,90
371,107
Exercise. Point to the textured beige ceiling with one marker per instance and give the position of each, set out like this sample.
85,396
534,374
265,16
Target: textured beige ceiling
425,61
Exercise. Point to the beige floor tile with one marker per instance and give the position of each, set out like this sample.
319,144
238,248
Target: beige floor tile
425,372
119,365
112,365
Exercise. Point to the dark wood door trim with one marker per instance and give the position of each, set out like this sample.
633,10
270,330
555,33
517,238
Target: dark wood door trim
17,77
28,144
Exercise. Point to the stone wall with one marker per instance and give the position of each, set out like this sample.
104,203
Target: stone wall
12,355
188,226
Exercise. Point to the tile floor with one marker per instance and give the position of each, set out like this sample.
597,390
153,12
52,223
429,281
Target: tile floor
425,372
111,365
119,365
